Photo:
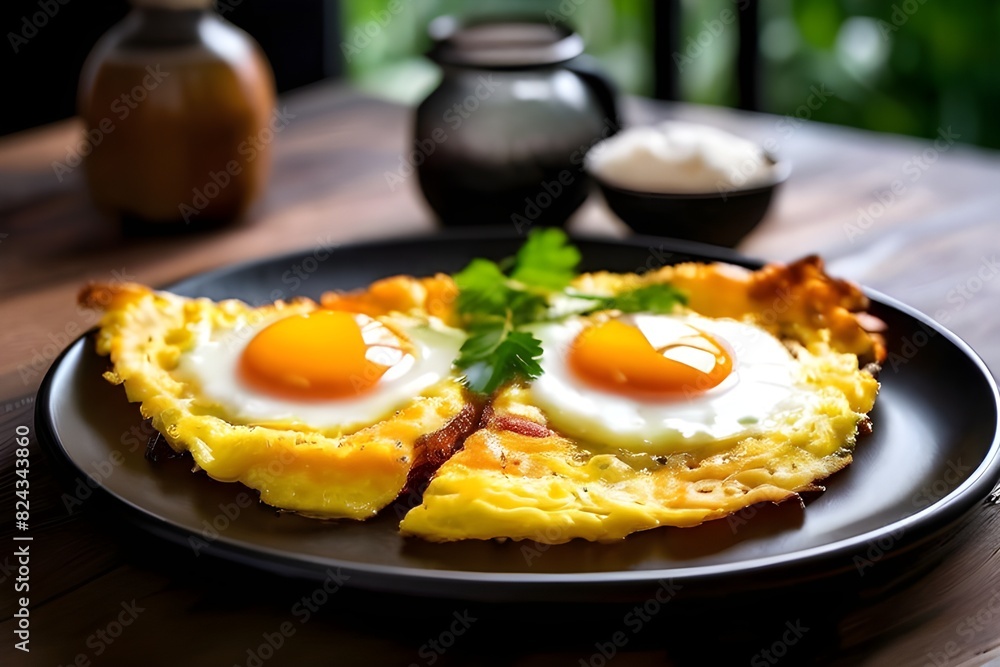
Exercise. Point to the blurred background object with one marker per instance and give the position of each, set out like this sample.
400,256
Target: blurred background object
178,111
686,181
511,148
937,72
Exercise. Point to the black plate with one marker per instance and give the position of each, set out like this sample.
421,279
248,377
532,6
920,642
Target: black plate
932,457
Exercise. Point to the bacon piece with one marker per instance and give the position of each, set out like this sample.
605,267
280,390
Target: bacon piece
432,450
513,423
521,426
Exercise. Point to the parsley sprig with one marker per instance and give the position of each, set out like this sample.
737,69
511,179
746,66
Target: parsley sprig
497,300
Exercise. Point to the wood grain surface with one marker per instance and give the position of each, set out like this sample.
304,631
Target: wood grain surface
916,220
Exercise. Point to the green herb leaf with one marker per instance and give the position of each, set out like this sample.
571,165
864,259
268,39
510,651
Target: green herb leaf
495,354
485,291
482,289
546,260
662,298
527,307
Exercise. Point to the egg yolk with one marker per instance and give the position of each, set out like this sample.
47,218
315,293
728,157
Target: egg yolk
320,355
660,358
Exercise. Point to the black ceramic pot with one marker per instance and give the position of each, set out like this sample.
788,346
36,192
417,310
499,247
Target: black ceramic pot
502,139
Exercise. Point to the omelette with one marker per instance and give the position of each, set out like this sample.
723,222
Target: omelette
749,387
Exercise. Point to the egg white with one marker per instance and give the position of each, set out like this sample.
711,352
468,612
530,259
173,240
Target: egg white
763,384
212,367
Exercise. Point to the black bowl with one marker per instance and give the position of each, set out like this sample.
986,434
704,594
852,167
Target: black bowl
722,218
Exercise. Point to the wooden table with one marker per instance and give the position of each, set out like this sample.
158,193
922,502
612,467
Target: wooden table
926,243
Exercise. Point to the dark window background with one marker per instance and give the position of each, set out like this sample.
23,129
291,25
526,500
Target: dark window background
39,80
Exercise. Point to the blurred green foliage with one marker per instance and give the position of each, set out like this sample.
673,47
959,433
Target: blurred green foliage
908,66
383,40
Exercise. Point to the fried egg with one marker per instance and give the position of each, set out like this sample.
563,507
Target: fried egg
331,370
320,409
662,383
